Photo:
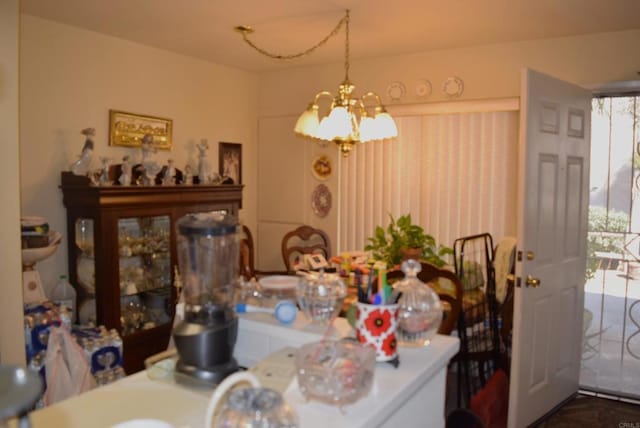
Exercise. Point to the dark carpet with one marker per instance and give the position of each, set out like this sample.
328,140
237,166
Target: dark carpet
592,412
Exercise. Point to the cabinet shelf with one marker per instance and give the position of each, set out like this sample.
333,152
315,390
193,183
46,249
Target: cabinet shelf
132,293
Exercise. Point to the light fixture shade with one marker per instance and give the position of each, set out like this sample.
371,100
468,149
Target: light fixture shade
337,125
308,122
385,126
367,129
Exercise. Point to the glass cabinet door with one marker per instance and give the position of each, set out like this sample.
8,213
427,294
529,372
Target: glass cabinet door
144,272
85,271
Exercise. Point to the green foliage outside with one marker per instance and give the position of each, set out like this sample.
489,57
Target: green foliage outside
615,224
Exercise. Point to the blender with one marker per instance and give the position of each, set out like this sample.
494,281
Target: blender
208,250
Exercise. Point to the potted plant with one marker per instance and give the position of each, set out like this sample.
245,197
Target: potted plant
401,240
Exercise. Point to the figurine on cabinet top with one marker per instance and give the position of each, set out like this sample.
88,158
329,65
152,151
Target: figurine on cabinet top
148,148
204,168
188,175
150,168
125,174
81,166
104,171
169,176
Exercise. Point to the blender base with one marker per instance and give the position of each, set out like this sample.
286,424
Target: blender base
208,375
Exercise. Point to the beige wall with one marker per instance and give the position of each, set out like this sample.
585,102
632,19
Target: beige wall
285,185
70,78
11,338
491,71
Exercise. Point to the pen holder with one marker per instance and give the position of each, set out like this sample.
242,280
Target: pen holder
376,326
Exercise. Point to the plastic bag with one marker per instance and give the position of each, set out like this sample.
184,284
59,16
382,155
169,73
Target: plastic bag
67,370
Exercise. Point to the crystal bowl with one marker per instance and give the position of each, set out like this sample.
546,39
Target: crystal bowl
336,372
321,297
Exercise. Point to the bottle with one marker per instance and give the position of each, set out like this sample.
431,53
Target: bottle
63,293
419,308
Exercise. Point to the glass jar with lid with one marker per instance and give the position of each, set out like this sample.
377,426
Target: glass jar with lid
419,308
321,296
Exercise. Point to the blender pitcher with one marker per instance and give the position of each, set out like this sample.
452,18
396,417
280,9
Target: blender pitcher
208,249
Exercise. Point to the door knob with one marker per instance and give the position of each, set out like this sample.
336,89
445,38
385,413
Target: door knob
532,282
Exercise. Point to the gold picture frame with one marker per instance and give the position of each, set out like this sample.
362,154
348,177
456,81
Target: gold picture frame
127,129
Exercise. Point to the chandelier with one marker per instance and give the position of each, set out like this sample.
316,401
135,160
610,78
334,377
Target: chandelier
350,119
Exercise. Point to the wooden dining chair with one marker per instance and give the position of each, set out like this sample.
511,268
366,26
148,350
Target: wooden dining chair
247,262
247,267
449,291
304,240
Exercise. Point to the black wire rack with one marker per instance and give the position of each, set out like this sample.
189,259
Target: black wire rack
481,350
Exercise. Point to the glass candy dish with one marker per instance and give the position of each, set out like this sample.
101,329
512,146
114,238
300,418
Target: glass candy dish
337,372
419,308
256,407
321,296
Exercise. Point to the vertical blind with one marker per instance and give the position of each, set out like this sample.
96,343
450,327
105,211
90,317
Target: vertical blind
456,174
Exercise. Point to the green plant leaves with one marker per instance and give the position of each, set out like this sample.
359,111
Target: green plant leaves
388,244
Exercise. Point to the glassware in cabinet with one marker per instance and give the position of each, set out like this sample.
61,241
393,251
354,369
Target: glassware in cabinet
144,272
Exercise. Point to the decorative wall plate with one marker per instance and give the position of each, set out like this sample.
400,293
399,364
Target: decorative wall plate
321,167
453,87
321,200
396,90
423,88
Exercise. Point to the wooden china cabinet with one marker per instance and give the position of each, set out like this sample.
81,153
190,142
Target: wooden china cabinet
122,255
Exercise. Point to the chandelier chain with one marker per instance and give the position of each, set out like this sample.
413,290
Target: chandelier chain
322,42
346,46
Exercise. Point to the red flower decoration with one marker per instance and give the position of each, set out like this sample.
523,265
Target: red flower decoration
360,337
389,345
378,322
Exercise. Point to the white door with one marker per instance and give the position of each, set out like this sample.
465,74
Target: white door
553,198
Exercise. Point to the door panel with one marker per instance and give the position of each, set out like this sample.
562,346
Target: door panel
541,329
552,225
547,196
575,177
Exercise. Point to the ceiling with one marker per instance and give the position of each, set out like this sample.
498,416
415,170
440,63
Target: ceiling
204,28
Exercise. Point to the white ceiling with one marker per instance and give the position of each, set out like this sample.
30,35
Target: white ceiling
204,28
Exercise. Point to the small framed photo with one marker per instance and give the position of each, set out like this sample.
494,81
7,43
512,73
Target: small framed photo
299,263
230,161
316,261
128,129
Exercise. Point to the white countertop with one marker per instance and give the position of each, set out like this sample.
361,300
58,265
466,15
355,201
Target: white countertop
138,396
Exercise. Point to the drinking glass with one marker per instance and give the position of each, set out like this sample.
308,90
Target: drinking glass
84,235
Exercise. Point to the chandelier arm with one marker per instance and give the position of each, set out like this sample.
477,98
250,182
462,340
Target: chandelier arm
374,95
321,94
247,30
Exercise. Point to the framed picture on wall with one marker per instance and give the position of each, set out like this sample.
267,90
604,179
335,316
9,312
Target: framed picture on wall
230,161
128,129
